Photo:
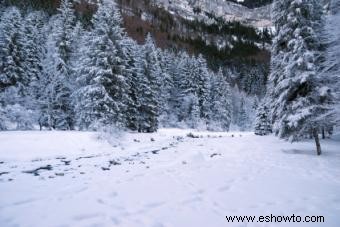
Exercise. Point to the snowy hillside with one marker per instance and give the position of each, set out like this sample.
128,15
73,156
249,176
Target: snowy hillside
258,17
163,179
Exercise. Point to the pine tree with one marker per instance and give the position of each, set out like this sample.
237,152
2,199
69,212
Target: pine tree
11,50
256,104
331,64
300,102
57,111
220,101
55,93
262,121
130,49
153,70
176,63
14,80
34,42
203,87
3,118
149,76
235,103
187,108
167,85
77,43
254,81
147,103
63,31
102,86
194,119
242,115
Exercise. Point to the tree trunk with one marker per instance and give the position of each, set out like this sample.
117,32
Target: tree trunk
323,133
317,141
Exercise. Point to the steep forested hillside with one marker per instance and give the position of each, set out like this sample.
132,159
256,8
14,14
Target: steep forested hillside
252,3
225,44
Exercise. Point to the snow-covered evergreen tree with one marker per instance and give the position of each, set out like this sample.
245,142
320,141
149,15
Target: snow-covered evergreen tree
145,87
203,87
63,31
34,49
167,85
220,103
187,107
176,66
242,115
57,111
299,100
254,81
131,114
331,64
77,44
153,70
3,118
100,99
55,106
192,107
191,87
14,75
262,121
146,100
235,100
11,50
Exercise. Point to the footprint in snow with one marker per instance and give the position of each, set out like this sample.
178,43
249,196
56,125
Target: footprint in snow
270,203
254,206
200,192
154,205
192,200
87,216
224,188
22,202
246,178
158,225
115,221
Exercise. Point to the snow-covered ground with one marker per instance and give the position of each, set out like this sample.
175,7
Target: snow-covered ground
164,179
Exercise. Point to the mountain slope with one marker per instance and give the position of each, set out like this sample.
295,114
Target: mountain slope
229,11
179,25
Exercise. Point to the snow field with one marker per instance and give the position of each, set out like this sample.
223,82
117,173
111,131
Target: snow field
163,179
